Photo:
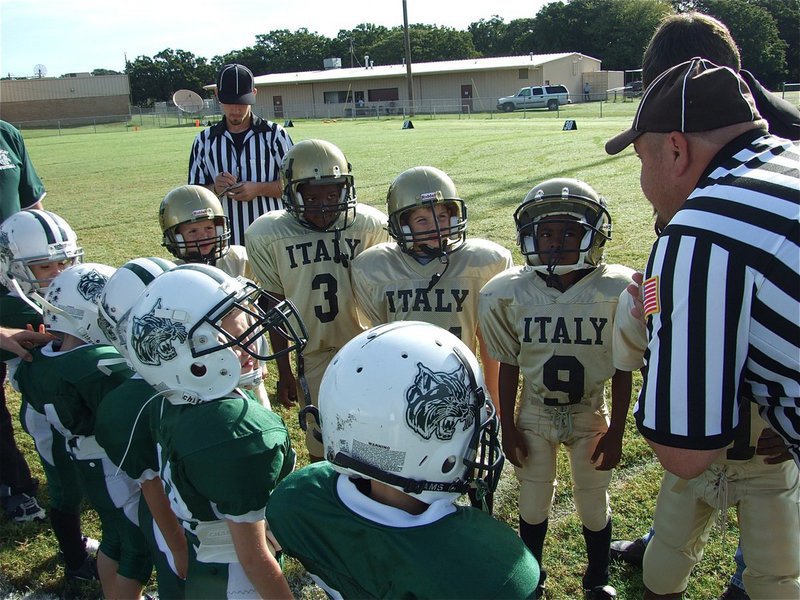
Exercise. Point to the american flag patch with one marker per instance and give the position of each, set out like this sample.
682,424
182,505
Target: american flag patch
650,300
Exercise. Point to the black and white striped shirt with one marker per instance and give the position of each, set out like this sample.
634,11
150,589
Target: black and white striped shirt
214,151
722,289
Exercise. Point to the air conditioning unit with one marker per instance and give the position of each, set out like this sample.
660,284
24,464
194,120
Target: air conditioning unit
332,63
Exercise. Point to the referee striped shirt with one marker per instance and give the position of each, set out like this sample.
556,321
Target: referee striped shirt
214,152
722,290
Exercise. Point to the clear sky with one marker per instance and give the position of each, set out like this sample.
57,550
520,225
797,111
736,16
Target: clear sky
81,35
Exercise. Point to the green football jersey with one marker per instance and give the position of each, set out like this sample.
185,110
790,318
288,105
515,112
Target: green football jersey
390,285
363,549
220,459
308,268
71,382
561,341
17,314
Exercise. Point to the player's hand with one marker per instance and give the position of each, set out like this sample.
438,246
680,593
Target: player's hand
287,392
772,446
244,191
514,446
610,448
635,290
223,182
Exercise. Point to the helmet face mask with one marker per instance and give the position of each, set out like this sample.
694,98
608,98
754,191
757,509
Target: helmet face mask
192,330
194,224
32,238
558,205
426,188
405,404
317,163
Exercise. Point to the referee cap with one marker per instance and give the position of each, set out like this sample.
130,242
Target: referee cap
235,85
693,96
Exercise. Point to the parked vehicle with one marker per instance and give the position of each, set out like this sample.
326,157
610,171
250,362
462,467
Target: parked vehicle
536,96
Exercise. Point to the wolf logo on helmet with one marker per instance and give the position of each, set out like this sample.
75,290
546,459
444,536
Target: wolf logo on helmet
91,285
438,402
152,337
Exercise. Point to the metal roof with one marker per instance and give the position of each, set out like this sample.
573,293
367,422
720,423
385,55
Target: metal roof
428,68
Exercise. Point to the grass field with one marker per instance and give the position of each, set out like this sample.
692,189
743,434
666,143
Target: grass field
109,185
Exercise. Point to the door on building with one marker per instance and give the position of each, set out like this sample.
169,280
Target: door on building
466,98
277,106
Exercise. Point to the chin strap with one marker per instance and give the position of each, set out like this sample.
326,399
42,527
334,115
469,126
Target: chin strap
24,297
443,259
339,257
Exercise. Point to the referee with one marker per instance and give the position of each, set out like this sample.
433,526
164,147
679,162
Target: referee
722,286
239,158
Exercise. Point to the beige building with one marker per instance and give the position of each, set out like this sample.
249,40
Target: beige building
104,97
471,85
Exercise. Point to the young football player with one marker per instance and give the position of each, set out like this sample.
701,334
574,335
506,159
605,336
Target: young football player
195,335
407,428
431,271
552,319
196,230
35,246
122,428
304,254
67,380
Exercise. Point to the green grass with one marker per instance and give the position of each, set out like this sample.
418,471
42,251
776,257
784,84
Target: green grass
109,185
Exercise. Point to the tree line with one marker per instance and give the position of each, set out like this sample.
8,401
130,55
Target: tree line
615,31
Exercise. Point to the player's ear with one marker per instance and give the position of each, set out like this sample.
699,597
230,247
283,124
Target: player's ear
255,91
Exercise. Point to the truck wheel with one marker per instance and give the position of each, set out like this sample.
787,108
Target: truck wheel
552,105
508,107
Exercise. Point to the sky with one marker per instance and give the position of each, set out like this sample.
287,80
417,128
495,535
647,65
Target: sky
68,36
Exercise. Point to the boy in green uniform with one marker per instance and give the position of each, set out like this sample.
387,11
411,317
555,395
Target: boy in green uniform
35,246
195,335
407,427
65,382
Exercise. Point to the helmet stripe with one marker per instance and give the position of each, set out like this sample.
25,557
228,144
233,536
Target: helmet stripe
142,272
49,226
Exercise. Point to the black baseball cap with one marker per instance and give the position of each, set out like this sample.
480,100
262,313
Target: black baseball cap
235,85
693,96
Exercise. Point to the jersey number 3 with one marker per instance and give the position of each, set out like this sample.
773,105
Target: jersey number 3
329,286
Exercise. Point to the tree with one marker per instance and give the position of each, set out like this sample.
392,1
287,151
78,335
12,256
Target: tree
428,43
489,37
156,79
97,72
361,39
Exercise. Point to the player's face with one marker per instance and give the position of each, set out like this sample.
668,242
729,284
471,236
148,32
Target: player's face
199,236
558,241
429,219
320,203
236,323
45,272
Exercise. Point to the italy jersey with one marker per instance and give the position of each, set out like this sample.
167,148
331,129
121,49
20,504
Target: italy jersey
390,285
358,548
561,341
234,262
311,268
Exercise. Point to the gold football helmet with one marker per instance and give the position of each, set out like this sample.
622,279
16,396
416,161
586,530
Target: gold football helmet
189,204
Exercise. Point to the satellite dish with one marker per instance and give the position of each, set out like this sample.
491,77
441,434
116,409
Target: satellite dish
188,101
40,71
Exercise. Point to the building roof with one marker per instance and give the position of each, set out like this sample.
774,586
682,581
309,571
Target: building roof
427,68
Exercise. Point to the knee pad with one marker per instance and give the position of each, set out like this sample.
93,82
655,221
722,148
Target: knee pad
535,500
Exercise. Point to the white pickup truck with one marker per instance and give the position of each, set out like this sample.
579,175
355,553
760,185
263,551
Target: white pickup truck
535,96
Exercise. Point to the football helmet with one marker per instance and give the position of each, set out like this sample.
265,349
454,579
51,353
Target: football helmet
425,187
189,204
563,200
176,340
32,237
405,404
120,294
71,302
318,162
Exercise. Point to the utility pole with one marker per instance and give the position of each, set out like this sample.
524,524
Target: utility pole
408,60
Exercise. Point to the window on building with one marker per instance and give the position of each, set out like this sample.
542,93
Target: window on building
523,73
336,97
383,95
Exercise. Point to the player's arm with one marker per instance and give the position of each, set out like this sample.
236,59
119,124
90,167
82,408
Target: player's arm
158,503
491,371
610,444
514,446
261,568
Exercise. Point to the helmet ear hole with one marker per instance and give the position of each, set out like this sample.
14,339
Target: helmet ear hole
449,464
198,370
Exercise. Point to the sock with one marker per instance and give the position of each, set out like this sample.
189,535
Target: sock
597,545
67,529
533,537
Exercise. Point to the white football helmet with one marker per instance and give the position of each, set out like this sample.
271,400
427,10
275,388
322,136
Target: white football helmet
32,237
563,200
405,404
175,337
425,187
70,304
121,292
